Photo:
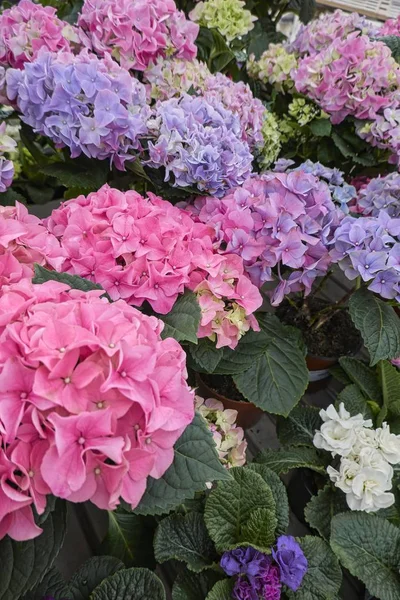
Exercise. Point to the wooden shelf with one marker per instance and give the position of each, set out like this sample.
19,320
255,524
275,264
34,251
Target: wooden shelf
376,9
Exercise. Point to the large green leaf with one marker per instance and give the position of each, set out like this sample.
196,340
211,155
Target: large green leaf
389,378
299,427
369,547
91,574
182,322
130,584
196,462
23,564
354,401
241,512
86,173
130,539
323,507
278,379
378,323
194,586
279,493
320,127
324,576
221,590
74,281
205,356
283,460
185,538
363,376
53,584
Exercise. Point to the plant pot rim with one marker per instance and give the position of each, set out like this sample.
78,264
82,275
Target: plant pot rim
335,358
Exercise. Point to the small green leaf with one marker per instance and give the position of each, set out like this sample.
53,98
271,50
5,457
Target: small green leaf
323,578
74,281
241,511
279,493
363,376
185,538
196,462
182,322
205,355
389,378
91,574
340,375
130,539
283,460
130,584
323,507
221,590
369,547
10,197
299,427
194,586
354,401
321,127
378,323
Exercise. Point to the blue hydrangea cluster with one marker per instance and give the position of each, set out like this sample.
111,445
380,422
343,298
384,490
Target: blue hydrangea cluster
342,192
370,247
88,104
199,144
381,193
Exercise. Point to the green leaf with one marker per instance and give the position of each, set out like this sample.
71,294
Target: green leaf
354,401
378,323
53,584
324,576
299,427
320,127
369,547
24,564
205,355
279,493
84,173
130,584
184,538
389,378
10,197
340,375
283,460
342,145
196,462
91,574
182,322
307,10
194,586
221,590
74,281
363,376
241,511
278,379
323,507
130,539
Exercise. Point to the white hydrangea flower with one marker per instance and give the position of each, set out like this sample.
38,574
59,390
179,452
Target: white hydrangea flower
388,444
338,433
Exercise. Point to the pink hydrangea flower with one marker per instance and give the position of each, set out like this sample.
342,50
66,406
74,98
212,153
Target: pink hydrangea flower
390,27
92,401
137,31
144,249
28,27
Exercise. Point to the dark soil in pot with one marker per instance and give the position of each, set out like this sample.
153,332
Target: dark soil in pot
223,385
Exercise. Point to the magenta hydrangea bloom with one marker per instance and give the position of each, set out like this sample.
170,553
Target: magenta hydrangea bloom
320,33
370,247
28,27
92,401
282,220
90,105
380,193
144,249
355,76
136,32
199,143
390,27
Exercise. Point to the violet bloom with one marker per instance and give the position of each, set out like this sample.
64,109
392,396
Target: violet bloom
245,561
292,563
243,590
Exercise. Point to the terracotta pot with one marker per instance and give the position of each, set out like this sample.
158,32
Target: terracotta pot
248,414
318,368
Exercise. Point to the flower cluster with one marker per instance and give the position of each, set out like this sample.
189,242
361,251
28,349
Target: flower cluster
146,249
228,16
390,27
200,144
276,220
355,76
365,472
260,576
342,193
92,401
381,193
370,247
383,132
28,27
320,33
136,32
274,67
228,438
90,105
172,78
7,145
24,241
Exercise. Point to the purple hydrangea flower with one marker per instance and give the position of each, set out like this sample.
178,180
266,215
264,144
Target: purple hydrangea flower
291,561
6,173
199,144
381,193
90,105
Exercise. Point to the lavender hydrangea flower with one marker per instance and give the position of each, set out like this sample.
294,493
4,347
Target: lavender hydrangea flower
90,105
291,561
6,173
199,144
381,193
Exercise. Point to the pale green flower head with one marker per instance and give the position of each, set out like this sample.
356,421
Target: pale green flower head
303,111
272,140
274,67
228,16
